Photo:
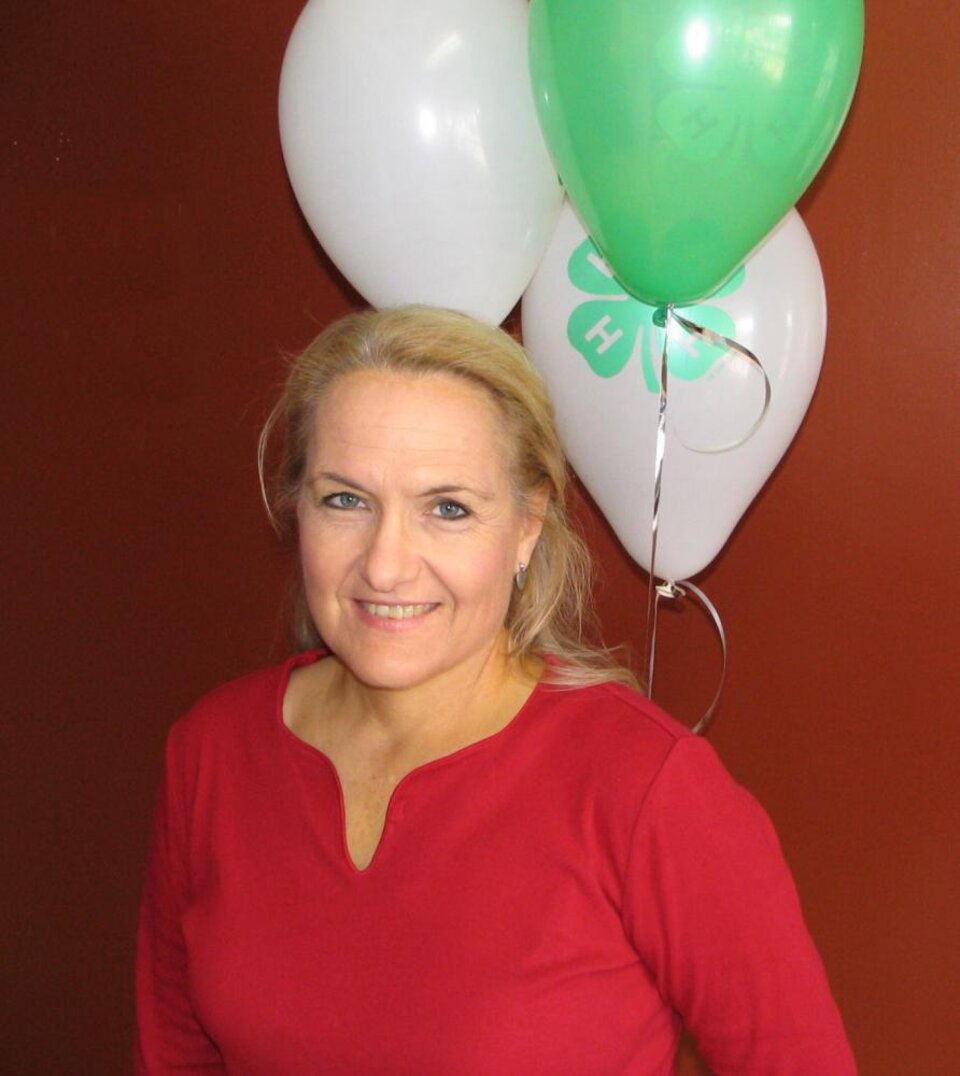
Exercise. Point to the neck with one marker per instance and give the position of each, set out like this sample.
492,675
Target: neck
468,703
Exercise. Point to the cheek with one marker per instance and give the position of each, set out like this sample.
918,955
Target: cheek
485,577
324,557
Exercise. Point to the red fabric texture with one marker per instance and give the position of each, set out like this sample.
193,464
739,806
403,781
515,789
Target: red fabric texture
556,899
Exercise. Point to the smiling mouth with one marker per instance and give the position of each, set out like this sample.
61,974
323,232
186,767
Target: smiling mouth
397,612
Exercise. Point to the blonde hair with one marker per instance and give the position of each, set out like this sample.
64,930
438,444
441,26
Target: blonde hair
549,615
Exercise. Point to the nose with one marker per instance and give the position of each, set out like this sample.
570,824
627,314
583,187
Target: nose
391,557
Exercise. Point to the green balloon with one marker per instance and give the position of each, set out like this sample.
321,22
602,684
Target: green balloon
684,130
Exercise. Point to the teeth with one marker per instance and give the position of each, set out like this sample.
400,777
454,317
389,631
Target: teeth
396,612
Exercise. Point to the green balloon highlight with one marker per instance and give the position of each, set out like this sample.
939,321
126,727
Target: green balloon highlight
684,130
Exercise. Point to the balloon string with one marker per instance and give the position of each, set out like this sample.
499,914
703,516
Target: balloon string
650,647
670,589
701,332
680,590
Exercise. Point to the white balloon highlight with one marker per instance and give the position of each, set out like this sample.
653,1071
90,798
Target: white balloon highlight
413,148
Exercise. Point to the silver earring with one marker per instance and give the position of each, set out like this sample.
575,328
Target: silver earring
521,577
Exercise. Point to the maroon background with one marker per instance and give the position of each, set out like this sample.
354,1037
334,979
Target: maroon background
156,269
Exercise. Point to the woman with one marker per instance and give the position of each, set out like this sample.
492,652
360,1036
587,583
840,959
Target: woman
448,836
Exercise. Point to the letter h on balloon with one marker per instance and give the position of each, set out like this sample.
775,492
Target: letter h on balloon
608,339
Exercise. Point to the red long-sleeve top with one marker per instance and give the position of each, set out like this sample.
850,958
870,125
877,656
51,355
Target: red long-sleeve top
558,898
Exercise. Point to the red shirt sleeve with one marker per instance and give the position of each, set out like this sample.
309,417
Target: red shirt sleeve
713,911
169,1037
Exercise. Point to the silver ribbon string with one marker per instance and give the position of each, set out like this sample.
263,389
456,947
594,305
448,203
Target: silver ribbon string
676,591
701,332
650,648
670,589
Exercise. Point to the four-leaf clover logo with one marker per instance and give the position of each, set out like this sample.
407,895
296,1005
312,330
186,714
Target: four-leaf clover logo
726,110
609,331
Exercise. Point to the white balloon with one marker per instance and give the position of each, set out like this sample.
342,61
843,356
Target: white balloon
776,307
412,145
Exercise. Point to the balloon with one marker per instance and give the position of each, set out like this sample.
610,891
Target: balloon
412,144
685,129
599,352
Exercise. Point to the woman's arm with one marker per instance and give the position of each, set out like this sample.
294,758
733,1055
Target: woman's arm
713,911
169,1036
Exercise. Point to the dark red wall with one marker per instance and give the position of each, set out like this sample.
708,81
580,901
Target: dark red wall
156,268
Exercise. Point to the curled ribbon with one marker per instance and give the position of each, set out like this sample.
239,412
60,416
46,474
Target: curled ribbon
669,589
680,590
701,332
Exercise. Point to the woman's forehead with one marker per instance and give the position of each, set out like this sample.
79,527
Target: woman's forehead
432,423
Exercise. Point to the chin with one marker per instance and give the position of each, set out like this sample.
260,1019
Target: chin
389,667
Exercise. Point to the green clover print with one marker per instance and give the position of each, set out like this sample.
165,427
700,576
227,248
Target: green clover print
606,331
731,109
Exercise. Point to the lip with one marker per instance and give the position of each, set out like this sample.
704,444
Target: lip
393,624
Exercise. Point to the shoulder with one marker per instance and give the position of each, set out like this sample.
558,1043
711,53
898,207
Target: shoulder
613,734
244,704
614,714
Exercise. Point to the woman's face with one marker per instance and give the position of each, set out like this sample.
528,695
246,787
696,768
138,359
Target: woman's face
409,531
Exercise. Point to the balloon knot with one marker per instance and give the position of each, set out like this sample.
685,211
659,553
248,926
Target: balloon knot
670,590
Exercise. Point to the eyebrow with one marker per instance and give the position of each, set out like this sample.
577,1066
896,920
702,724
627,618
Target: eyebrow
437,490
433,491
339,479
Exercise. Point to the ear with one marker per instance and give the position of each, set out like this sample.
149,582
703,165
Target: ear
532,523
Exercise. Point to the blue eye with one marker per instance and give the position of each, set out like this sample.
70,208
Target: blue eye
342,501
451,510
